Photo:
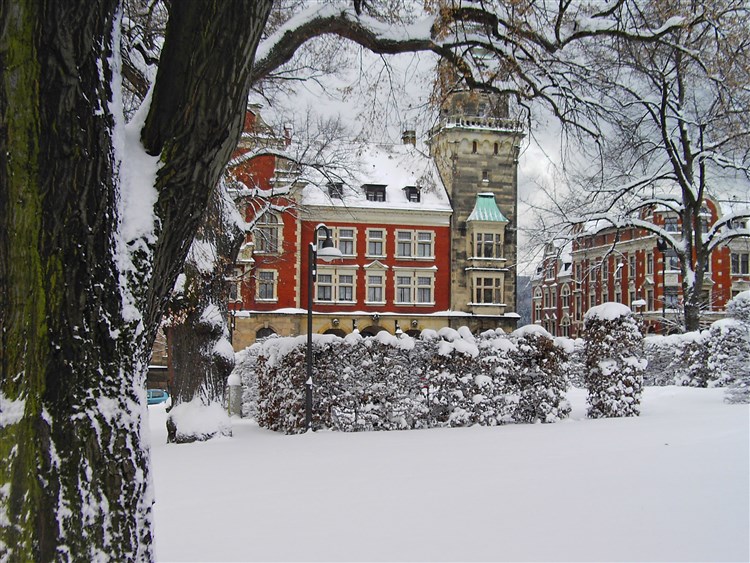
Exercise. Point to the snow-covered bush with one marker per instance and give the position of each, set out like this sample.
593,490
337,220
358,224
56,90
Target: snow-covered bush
729,358
739,389
690,362
739,307
196,421
244,367
446,378
539,376
614,361
574,366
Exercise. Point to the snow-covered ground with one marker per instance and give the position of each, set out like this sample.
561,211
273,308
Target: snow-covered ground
671,485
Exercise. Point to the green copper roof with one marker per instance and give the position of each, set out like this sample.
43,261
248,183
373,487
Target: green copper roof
486,209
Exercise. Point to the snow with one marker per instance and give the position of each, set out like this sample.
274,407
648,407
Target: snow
608,311
671,484
11,412
196,419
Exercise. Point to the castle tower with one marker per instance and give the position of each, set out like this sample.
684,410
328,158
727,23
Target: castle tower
475,146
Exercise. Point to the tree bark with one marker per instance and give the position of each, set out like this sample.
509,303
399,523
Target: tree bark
74,482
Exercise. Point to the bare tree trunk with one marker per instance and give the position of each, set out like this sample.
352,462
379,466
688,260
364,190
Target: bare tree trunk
202,356
76,323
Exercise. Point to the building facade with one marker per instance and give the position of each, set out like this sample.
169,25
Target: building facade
427,237
628,266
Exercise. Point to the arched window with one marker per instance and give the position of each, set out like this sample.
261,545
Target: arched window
267,234
473,147
264,332
565,296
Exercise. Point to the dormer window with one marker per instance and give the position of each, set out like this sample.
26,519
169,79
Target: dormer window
375,192
413,194
335,190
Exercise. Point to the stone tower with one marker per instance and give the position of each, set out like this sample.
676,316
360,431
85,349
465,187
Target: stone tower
475,146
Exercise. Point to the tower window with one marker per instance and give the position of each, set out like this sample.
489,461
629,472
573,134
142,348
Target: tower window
473,147
496,149
485,176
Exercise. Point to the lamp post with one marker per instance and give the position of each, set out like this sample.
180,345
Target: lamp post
327,252
662,246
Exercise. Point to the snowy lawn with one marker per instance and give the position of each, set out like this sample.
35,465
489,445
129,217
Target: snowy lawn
670,485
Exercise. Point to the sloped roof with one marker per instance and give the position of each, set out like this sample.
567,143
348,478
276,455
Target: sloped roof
394,166
486,209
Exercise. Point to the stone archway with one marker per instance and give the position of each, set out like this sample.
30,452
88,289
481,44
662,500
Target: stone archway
371,330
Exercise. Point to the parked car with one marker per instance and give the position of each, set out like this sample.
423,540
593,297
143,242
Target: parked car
157,396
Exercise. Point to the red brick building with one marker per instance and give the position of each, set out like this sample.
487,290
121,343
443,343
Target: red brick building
394,219
626,266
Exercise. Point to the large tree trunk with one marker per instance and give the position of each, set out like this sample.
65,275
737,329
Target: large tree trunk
198,337
79,304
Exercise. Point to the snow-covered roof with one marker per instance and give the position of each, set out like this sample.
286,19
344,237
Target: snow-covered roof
396,167
486,209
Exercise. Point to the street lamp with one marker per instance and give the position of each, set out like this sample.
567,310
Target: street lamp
662,246
327,253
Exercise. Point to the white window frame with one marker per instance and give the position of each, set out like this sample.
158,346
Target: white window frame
273,282
413,241
339,240
485,240
414,280
372,239
495,288
267,234
369,285
336,284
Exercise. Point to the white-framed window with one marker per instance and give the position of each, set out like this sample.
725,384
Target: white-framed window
324,287
565,326
376,287
565,296
336,285
266,283
649,299
672,262
650,263
411,244
267,234
741,263
671,298
376,242
488,245
553,297
546,298
631,267
488,290
414,287
234,285
345,240
605,269
670,224
579,307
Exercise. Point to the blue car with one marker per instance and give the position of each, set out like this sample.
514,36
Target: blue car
156,396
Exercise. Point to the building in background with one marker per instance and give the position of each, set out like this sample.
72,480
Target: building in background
428,238
604,264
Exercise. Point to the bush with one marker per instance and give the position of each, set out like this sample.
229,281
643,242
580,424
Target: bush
614,361
448,378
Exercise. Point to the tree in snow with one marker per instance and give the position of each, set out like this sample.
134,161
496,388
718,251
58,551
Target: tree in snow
97,216
539,363
675,130
614,361
728,350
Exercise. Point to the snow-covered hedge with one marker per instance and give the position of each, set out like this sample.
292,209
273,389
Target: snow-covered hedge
445,378
614,361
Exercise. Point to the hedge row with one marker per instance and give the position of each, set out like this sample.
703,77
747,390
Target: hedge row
386,383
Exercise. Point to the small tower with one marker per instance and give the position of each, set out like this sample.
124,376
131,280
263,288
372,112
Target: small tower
475,146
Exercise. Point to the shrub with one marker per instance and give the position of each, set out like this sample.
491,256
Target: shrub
614,361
